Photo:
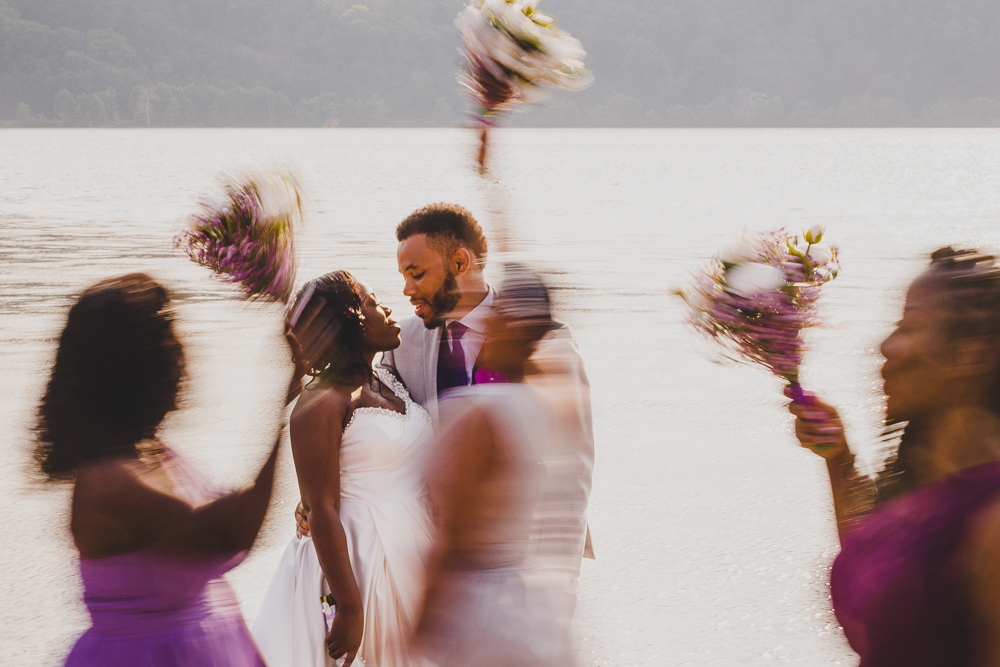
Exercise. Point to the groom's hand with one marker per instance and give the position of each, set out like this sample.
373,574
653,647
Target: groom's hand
301,521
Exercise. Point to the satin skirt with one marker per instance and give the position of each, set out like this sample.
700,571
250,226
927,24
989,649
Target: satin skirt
389,542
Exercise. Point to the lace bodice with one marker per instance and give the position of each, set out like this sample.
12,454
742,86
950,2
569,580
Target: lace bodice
383,452
390,380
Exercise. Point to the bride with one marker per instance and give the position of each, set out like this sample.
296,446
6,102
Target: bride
358,442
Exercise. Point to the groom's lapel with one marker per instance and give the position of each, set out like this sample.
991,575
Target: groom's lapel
432,346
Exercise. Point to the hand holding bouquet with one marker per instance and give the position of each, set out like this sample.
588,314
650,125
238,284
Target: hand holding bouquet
248,237
756,297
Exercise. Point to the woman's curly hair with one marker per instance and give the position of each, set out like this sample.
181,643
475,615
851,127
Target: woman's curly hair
968,282
117,374
341,298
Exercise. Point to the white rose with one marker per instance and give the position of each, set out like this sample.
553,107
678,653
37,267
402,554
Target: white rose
278,198
814,234
543,20
820,253
752,278
741,250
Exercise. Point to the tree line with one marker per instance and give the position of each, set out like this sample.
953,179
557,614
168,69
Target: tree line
392,62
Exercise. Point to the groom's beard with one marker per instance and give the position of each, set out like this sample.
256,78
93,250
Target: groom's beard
444,301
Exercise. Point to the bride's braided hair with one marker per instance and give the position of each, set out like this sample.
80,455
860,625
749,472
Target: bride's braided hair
341,298
968,282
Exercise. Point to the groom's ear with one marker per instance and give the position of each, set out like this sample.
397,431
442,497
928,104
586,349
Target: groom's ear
462,261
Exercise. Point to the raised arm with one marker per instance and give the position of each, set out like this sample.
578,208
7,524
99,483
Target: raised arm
818,427
117,509
316,428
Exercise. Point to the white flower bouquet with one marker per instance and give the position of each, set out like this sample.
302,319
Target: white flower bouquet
756,297
513,55
248,236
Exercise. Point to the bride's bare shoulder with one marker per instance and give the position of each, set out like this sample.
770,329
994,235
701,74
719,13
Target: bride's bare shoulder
319,401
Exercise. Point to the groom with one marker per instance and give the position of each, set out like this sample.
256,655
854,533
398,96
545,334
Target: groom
441,255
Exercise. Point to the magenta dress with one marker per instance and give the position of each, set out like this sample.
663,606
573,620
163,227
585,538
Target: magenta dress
896,584
160,609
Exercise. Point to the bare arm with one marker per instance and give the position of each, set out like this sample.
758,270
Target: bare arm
316,429
465,452
116,510
818,428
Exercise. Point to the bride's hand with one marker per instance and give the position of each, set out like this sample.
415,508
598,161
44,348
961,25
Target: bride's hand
344,638
817,425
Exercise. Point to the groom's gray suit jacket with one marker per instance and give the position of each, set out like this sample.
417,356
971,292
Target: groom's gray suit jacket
415,362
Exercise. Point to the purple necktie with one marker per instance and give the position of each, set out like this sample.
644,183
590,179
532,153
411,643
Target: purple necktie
451,370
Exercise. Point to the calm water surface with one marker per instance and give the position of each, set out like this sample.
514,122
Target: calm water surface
714,532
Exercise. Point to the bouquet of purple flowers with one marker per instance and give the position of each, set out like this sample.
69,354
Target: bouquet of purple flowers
757,296
513,54
249,237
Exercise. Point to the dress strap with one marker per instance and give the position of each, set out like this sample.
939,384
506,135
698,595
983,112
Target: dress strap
391,381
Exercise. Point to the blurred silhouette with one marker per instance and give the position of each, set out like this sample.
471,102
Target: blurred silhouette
359,443
488,477
561,537
154,537
917,581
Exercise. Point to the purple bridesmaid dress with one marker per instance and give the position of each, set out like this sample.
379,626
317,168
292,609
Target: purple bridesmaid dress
896,585
160,609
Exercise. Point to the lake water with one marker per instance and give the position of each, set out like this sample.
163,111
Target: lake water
713,531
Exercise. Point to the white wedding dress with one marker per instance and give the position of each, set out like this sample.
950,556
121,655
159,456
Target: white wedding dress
384,512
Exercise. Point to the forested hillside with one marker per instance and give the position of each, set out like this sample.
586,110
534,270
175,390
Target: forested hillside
392,62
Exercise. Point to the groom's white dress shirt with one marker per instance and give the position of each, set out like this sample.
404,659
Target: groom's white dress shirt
475,334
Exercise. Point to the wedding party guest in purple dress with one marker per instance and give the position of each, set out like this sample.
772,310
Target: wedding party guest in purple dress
154,537
917,582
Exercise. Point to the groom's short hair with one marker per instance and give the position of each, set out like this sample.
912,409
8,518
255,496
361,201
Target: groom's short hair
447,226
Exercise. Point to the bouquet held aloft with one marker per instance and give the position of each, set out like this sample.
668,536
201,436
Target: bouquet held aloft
756,297
513,55
248,237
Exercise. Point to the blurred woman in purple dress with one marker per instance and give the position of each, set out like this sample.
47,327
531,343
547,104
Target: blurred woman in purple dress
917,582
154,538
